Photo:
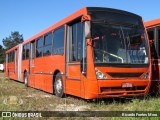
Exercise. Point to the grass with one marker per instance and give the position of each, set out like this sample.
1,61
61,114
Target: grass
14,96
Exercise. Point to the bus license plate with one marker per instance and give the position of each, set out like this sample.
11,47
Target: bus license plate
127,85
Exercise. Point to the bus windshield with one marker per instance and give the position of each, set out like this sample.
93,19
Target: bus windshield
119,43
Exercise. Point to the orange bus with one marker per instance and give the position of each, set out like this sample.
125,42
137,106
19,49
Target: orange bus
93,53
153,29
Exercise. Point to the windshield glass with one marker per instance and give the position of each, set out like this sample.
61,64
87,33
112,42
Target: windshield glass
119,43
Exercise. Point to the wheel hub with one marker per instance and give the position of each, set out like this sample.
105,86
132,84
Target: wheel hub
59,85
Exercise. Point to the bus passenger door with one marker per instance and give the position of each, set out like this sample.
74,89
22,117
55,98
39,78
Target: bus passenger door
74,58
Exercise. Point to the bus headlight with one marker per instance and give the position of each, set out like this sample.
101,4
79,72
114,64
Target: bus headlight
100,75
146,75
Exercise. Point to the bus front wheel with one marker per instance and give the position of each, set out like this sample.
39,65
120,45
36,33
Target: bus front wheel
26,79
58,86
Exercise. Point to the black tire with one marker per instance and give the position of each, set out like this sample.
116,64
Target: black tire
26,79
58,86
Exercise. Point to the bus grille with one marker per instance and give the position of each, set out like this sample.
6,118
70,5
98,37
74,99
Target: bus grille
117,89
121,75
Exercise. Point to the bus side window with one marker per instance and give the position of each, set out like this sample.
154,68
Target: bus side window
58,41
25,52
32,55
39,45
9,57
151,36
12,56
47,49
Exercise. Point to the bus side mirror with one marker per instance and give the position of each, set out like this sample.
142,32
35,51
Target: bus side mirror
87,27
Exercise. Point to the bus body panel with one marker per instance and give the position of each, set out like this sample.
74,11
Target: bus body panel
31,81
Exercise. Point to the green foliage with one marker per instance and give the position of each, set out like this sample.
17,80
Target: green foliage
14,39
2,54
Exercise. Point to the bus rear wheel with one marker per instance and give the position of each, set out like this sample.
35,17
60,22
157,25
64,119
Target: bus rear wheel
26,79
58,86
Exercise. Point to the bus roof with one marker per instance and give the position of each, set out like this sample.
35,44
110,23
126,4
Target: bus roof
152,23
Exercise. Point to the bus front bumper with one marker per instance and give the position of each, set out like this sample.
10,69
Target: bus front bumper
123,88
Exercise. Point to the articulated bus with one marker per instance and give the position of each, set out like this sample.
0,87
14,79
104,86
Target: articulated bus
93,53
153,30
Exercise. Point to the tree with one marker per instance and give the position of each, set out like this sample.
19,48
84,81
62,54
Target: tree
14,39
2,54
